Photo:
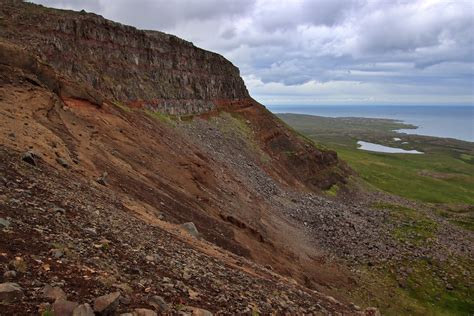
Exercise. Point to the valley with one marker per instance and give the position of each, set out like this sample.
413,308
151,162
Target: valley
439,184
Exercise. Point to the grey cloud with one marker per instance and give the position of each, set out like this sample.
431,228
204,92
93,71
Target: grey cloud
89,5
167,14
391,45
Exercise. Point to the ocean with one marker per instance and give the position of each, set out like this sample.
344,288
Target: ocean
440,121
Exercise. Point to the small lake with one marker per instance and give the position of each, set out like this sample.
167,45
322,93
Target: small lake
384,149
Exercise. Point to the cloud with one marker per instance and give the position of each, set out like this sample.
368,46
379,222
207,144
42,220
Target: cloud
90,5
403,51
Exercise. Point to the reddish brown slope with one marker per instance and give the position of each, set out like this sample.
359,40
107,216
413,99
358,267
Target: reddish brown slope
73,92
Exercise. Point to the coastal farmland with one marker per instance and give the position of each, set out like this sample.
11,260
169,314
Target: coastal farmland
443,174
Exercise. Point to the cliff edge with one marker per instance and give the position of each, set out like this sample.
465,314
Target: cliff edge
150,68
119,142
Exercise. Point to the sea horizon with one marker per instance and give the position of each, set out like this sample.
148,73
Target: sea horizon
446,121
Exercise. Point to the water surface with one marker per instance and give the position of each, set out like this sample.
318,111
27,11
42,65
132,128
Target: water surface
440,121
384,149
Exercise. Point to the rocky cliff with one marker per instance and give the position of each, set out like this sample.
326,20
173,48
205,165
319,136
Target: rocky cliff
147,68
112,138
84,56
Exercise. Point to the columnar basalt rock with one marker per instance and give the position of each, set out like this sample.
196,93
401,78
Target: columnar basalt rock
123,63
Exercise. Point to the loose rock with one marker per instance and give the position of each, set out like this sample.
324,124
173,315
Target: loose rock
372,311
30,157
18,264
59,210
4,223
191,229
107,304
10,293
194,311
158,303
62,162
144,312
64,308
83,310
8,275
102,179
53,293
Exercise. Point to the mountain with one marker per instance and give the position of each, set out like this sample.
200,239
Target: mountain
137,166
104,109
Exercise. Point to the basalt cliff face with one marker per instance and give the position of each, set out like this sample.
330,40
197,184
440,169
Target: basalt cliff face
113,137
149,68
84,56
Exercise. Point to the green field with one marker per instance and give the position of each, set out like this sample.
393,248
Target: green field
442,179
443,174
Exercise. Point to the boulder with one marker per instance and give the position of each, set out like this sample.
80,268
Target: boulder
62,162
4,223
83,310
195,311
107,304
10,293
191,229
158,303
18,264
59,210
372,311
53,293
10,274
63,307
144,312
30,157
102,179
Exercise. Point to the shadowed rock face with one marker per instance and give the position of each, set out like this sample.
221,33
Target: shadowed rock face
74,88
148,68
83,56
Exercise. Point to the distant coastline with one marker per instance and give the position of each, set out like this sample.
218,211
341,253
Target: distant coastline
438,121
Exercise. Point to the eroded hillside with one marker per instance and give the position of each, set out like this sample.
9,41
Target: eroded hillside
113,137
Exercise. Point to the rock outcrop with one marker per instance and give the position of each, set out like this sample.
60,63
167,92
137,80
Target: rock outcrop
146,68
80,97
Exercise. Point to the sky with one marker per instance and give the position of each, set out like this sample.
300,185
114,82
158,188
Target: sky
323,52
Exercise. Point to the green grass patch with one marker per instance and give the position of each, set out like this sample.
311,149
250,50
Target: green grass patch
466,224
425,283
466,158
426,288
332,191
460,216
406,175
122,106
165,118
444,174
235,126
413,226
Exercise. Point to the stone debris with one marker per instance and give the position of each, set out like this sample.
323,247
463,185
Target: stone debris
53,293
158,303
63,307
62,162
4,223
83,310
30,157
102,179
107,304
144,312
10,293
191,229
194,311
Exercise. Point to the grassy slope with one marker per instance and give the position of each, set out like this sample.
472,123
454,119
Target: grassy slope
444,174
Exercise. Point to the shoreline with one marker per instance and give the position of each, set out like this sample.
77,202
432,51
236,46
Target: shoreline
403,128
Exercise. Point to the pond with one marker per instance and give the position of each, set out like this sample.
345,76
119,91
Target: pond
384,149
